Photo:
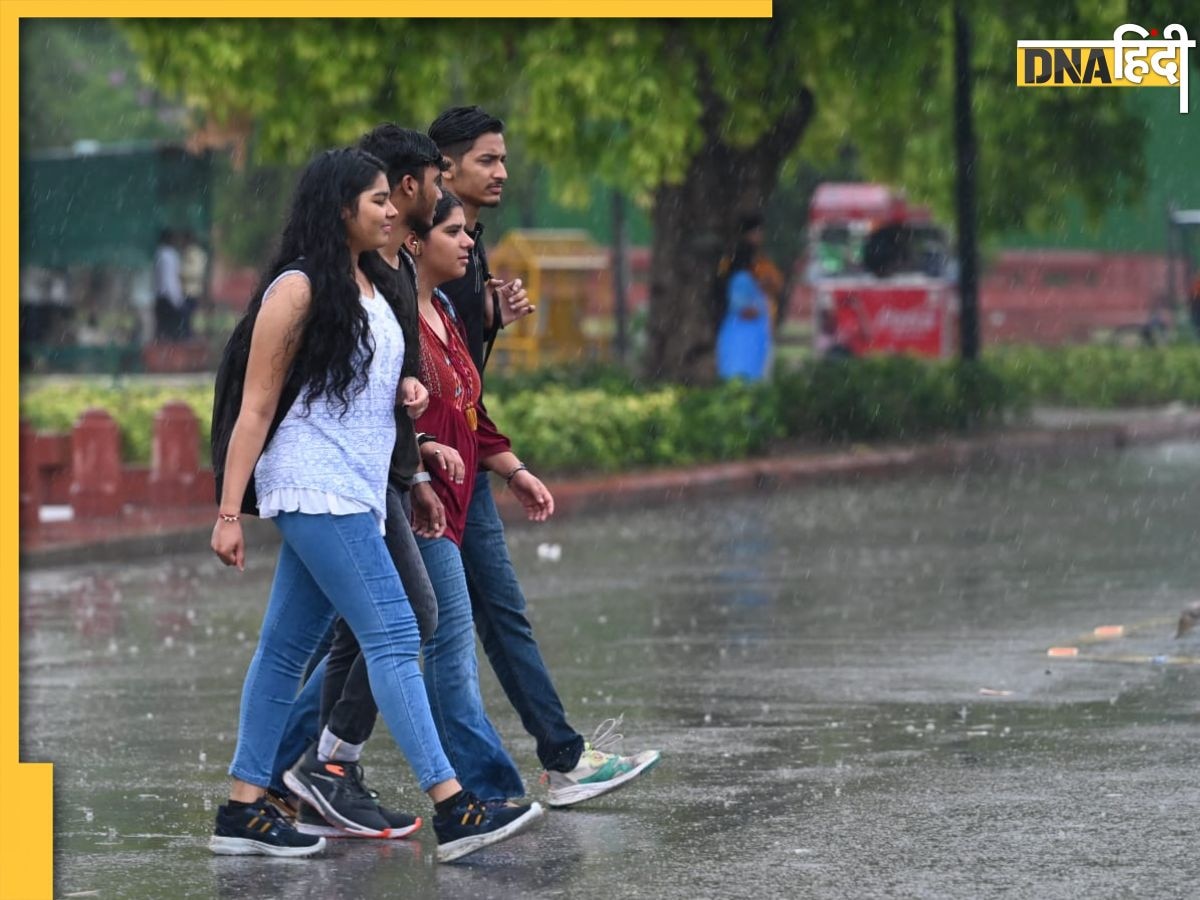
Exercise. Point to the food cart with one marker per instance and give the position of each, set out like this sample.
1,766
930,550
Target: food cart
880,275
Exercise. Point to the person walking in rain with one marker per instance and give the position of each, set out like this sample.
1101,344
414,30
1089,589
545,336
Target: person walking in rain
575,769
336,712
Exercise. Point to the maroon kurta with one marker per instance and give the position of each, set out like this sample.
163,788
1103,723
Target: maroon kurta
454,386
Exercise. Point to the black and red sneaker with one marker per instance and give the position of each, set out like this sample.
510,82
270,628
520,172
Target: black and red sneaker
335,790
309,821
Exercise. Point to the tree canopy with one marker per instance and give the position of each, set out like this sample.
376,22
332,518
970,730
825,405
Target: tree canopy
663,109
625,100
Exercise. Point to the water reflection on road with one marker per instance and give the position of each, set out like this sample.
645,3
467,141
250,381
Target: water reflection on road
849,683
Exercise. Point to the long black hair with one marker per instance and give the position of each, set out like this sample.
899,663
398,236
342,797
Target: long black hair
335,349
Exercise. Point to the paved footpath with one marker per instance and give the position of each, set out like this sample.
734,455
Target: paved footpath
1049,433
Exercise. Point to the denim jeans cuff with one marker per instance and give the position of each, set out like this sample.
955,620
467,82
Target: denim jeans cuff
566,757
256,779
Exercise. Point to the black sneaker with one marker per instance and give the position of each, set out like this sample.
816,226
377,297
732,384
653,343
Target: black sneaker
309,821
473,825
259,830
335,790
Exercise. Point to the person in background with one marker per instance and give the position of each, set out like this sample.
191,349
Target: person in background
169,299
1194,307
193,277
765,272
744,338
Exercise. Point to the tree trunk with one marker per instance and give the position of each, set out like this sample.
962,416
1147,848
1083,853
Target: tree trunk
695,224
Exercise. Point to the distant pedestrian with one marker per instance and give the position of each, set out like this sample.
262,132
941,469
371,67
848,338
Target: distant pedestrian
1194,306
169,300
751,232
744,338
194,279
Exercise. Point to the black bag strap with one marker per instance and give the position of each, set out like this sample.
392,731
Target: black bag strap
227,398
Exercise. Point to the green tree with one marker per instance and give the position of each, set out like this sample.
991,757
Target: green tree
79,81
696,119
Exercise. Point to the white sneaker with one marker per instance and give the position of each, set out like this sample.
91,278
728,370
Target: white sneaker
598,771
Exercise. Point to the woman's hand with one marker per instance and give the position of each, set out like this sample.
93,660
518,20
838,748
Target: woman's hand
534,496
445,460
413,396
429,515
229,544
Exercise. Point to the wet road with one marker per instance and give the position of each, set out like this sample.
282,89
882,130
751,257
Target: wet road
811,664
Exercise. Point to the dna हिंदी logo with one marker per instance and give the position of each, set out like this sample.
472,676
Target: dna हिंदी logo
1134,57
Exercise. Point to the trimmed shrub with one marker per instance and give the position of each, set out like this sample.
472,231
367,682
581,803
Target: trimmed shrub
601,419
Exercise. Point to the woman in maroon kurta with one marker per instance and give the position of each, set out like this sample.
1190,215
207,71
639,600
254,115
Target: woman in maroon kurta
464,440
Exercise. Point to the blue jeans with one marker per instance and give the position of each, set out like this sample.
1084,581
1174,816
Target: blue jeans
452,680
345,698
499,609
303,725
339,564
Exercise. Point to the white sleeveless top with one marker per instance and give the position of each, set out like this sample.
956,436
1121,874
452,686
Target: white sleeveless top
322,462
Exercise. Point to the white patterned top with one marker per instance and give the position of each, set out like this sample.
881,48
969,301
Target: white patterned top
321,462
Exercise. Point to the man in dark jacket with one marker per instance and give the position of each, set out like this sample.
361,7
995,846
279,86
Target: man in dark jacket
576,770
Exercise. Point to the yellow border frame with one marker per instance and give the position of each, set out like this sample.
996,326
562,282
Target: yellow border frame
27,832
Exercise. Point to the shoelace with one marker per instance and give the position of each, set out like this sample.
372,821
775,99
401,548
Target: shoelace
354,775
265,810
280,804
606,738
474,808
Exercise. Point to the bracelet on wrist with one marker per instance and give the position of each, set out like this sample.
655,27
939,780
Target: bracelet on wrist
420,478
229,517
521,467
425,437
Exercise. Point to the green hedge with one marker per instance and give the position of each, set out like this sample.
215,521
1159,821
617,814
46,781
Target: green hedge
1104,377
601,419
56,407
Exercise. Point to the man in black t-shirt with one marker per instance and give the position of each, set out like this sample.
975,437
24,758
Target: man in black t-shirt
576,770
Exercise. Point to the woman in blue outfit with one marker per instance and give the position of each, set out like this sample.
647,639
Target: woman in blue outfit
327,348
744,338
